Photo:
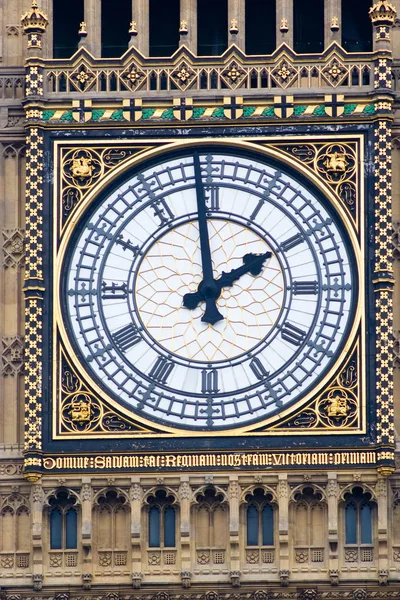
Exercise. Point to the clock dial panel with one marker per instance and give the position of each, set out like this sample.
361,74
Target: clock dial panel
284,321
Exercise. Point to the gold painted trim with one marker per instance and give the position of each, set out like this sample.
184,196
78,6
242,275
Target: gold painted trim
244,143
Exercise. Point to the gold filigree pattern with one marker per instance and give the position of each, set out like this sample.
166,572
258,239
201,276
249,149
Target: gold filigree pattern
338,407
384,284
336,162
83,412
337,165
83,167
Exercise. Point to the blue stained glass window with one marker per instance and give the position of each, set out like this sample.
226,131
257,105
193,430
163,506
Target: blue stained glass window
154,527
351,524
267,516
252,526
55,529
366,524
71,529
169,527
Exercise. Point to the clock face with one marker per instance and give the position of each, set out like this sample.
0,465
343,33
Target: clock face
199,235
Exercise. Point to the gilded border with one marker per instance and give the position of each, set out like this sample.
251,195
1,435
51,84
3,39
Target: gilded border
243,143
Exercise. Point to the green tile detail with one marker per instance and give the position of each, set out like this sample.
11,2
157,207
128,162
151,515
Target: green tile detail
118,115
319,111
218,113
97,114
168,114
148,113
268,112
67,116
47,114
349,108
299,109
198,112
369,109
248,111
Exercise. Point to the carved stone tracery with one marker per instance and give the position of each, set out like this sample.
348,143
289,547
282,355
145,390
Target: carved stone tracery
12,356
13,248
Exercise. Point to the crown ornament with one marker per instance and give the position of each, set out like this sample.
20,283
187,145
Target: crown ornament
382,13
34,20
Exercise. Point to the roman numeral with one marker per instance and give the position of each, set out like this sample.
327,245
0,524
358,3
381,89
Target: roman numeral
161,370
212,198
305,288
293,241
258,369
126,337
292,334
115,291
256,210
127,245
209,382
162,211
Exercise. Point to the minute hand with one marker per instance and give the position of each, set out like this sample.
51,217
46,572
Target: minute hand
209,288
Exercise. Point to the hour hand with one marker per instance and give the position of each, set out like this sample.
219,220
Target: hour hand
252,263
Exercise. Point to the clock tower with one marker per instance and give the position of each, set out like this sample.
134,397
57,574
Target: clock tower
209,349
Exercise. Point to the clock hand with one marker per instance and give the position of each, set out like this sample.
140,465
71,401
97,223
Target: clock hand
209,289
252,263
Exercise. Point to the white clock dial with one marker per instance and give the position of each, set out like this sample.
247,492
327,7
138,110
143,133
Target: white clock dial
282,272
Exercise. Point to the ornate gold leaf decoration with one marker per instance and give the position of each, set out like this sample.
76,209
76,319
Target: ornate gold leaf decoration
84,167
336,165
82,412
338,407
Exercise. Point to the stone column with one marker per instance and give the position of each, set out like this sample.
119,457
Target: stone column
284,19
140,14
185,494
136,494
332,493
47,43
93,23
37,497
283,527
383,550
189,15
234,504
87,496
333,22
236,17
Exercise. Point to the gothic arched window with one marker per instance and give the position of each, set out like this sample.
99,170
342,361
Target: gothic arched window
309,526
259,519
211,527
63,522
358,526
162,521
112,529
15,533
